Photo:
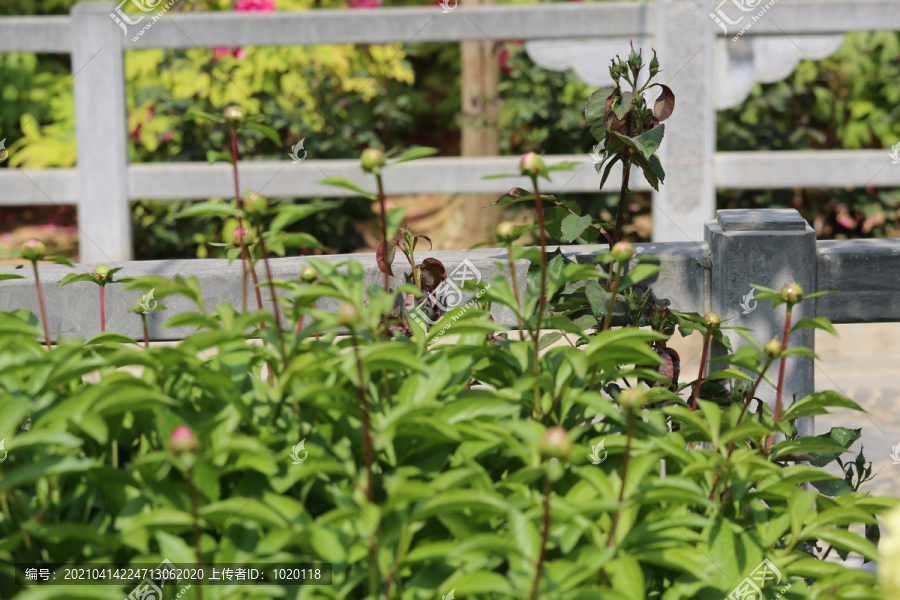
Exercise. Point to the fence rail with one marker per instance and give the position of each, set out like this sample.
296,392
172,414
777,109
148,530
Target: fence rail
103,183
741,247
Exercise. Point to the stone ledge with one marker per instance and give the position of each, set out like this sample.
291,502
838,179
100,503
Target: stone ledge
73,310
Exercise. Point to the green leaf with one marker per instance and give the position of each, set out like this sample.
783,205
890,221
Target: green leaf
73,277
817,323
573,226
346,184
199,115
595,112
7,276
266,131
840,436
815,404
214,156
414,154
288,214
26,474
208,209
61,260
846,540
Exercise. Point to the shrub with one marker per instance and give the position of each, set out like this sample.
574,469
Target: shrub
495,466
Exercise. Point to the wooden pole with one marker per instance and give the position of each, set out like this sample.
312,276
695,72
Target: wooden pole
478,128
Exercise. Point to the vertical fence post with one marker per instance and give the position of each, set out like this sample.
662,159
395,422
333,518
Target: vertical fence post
104,216
768,247
685,43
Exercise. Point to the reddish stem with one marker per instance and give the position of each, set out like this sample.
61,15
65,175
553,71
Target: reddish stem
40,295
262,247
102,308
543,294
146,335
702,366
385,253
239,203
780,389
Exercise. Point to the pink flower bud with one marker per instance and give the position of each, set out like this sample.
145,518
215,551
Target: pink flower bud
183,439
531,164
241,234
555,443
33,249
622,252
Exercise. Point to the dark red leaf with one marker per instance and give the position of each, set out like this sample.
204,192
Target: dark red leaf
385,257
665,104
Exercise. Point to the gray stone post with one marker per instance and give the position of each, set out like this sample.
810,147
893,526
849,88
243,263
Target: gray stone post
104,215
768,247
684,42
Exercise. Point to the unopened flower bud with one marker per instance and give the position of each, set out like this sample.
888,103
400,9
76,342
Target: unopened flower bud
101,273
632,400
242,234
792,293
255,203
33,249
372,160
531,164
183,439
712,319
773,348
555,444
622,252
308,273
347,314
505,230
234,113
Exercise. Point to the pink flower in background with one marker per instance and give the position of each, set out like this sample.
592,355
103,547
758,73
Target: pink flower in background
504,61
256,6
244,6
364,3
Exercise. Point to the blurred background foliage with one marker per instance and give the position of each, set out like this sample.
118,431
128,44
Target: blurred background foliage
342,98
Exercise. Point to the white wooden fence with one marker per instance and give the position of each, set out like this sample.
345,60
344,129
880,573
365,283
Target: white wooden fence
684,35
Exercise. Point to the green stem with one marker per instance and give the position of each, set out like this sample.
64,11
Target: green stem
615,518
545,535
607,320
542,303
192,493
40,295
515,286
